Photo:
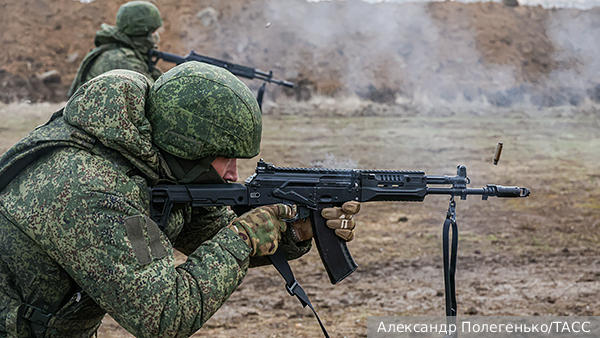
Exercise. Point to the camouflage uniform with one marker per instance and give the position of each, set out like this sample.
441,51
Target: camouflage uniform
124,46
75,237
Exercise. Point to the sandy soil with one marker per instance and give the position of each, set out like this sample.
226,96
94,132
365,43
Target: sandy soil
538,255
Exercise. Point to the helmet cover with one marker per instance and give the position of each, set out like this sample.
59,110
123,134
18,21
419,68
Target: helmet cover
199,110
138,18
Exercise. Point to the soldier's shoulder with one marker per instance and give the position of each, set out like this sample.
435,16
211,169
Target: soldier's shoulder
118,52
119,58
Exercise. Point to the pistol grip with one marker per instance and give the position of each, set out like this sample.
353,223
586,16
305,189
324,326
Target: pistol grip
333,250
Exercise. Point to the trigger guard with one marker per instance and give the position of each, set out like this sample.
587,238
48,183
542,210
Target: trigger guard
302,212
290,220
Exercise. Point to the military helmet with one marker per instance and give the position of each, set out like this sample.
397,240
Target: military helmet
138,18
199,111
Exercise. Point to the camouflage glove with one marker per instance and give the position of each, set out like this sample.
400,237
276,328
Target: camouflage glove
339,219
261,228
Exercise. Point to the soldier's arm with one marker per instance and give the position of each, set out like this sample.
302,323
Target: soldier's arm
102,238
201,224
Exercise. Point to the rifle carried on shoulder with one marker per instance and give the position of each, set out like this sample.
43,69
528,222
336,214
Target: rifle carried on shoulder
313,189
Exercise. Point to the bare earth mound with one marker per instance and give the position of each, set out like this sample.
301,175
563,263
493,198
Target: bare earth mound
431,53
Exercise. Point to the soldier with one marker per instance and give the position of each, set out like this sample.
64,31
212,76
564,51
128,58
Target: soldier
76,241
124,46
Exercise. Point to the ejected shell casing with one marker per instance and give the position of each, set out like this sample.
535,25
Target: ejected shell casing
498,152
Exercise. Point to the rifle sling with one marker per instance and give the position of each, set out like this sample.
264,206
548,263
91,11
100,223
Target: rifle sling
260,95
291,284
450,253
450,248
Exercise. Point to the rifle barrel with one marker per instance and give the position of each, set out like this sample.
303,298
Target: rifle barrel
490,190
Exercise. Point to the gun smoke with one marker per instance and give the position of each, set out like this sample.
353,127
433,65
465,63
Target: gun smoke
421,54
431,54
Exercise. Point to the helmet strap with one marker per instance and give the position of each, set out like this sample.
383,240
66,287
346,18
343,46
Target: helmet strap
209,177
192,171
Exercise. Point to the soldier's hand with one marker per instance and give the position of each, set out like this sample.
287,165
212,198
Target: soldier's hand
261,228
340,219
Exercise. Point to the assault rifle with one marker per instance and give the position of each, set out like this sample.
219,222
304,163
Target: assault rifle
313,189
235,69
238,70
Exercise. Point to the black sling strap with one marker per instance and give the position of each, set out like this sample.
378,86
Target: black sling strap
21,164
260,95
25,161
450,252
37,318
291,284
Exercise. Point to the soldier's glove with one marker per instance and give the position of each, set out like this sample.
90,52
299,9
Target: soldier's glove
339,219
261,228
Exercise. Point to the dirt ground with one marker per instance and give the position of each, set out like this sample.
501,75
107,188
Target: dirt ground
538,255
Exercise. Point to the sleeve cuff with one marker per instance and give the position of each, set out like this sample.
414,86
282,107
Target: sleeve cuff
233,243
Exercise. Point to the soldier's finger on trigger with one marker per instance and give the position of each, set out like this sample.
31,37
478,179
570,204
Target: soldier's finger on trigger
286,211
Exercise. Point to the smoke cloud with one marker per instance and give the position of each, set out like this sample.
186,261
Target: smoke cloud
436,55
425,54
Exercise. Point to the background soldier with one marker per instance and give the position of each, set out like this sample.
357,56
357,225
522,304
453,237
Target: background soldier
124,46
76,241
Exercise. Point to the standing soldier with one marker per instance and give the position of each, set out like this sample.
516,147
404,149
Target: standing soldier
124,46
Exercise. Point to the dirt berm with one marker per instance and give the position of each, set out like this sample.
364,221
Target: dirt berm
429,52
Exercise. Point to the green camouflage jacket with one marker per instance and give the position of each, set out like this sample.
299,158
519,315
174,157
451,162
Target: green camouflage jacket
114,50
76,241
